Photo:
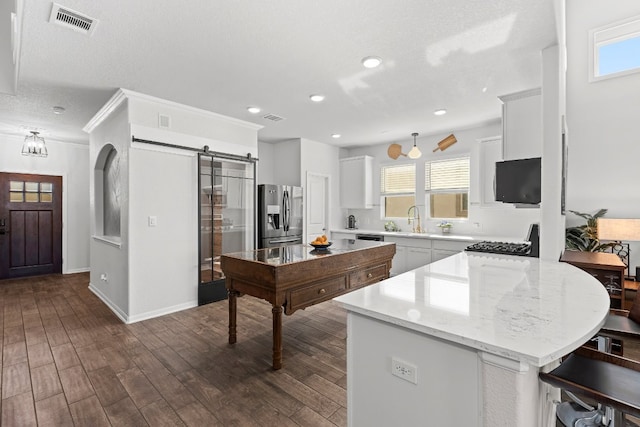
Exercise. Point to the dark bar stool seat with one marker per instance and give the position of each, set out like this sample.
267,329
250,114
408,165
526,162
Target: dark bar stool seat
608,379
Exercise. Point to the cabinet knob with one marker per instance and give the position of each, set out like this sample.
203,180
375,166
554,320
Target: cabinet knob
322,291
369,276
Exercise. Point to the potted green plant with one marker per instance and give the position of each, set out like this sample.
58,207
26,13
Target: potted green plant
585,237
445,226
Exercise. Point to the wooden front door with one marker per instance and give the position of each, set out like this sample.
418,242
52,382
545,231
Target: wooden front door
30,225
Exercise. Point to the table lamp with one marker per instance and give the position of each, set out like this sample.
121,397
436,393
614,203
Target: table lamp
618,230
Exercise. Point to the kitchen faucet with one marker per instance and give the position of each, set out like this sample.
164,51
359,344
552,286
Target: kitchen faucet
416,215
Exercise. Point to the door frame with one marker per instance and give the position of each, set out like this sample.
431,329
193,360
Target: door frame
65,239
327,202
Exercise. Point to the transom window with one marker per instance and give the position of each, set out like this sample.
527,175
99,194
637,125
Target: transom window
447,185
615,49
30,192
397,189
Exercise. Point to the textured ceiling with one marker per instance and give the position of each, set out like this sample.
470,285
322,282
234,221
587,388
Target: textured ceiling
223,56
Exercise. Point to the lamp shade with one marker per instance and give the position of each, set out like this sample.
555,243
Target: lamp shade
34,145
618,229
415,152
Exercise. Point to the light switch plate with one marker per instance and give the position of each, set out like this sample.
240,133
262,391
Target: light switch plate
153,221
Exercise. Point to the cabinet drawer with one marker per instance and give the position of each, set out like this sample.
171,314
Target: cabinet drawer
368,276
327,289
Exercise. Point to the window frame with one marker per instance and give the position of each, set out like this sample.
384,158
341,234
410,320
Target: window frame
384,195
608,34
459,190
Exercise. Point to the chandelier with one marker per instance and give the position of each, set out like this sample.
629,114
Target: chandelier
34,145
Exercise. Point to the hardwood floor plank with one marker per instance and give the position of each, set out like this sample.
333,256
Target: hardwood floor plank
89,413
15,379
124,414
64,346
45,382
160,414
53,412
65,356
18,410
14,353
35,335
138,387
39,354
75,383
107,386
196,415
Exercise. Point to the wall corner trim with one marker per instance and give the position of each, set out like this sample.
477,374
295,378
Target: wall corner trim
107,109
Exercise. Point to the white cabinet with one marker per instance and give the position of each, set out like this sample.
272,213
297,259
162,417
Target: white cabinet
410,253
337,236
356,180
445,248
522,124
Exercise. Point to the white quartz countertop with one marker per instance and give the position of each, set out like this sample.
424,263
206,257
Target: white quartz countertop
438,236
520,308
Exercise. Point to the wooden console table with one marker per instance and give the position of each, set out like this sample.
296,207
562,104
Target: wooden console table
298,276
606,267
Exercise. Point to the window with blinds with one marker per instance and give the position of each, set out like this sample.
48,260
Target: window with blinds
447,183
397,188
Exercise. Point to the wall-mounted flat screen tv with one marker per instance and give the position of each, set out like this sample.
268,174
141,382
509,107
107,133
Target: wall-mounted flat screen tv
519,181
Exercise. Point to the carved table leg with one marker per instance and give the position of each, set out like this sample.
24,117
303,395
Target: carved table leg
233,295
277,336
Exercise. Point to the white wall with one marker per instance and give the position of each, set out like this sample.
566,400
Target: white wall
266,160
286,163
323,159
602,120
495,221
155,268
71,162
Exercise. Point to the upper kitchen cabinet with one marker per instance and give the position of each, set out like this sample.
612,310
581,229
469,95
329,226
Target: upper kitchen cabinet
522,124
356,176
484,156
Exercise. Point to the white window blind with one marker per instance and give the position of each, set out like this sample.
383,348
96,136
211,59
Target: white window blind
398,179
447,175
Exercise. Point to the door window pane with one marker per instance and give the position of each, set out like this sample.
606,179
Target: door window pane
14,196
31,187
46,197
46,187
16,186
31,197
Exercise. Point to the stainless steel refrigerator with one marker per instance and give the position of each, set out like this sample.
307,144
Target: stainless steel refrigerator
279,215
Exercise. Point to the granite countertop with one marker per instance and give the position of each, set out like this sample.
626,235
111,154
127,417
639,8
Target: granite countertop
524,309
437,236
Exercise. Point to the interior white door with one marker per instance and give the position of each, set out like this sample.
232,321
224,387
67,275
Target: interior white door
317,205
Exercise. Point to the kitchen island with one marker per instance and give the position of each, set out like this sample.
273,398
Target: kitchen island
298,276
461,341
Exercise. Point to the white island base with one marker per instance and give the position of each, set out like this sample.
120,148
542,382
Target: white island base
470,334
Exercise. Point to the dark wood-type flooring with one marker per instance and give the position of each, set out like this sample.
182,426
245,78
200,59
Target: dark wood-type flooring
68,360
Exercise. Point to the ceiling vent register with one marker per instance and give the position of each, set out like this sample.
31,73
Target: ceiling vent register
71,19
273,117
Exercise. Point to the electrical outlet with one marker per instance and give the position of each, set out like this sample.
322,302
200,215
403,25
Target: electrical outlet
404,370
104,277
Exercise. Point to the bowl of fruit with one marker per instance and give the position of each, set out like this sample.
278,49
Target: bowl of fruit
321,243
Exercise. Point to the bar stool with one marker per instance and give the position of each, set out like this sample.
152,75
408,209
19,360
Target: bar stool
612,381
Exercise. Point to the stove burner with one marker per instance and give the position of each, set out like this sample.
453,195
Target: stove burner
505,248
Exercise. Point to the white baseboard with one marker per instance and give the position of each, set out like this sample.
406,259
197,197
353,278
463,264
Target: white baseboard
116,310
77,270
143,316
162,311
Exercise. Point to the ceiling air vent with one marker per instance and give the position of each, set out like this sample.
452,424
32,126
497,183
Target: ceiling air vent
273,117
76,21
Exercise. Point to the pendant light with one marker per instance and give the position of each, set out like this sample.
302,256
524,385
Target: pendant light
415,151
34,145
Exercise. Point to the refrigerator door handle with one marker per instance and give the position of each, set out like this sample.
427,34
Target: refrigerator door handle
285,210
284,240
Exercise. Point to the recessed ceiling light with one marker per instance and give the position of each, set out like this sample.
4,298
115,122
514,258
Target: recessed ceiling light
440,112
317,98
371,61
336,135
253,110
484,89
58,110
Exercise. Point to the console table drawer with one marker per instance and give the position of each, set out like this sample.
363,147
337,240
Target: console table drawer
320,291
368,276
